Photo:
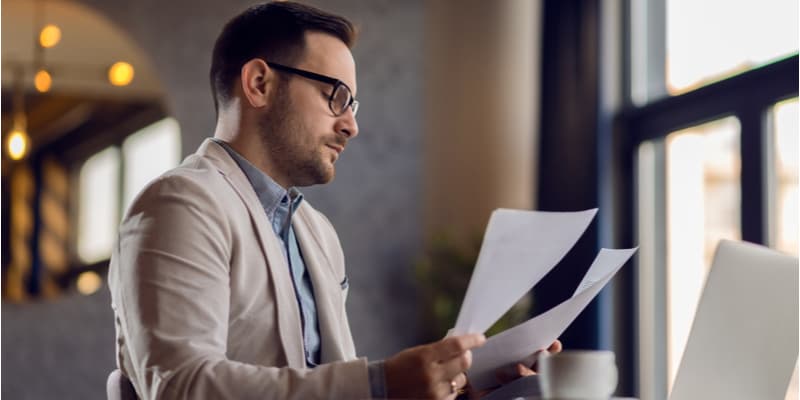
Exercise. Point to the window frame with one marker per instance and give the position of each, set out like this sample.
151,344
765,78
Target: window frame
765,86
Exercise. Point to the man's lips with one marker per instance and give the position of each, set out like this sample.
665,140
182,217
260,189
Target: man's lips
339,149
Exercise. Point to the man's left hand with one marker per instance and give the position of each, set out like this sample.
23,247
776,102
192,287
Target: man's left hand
507,374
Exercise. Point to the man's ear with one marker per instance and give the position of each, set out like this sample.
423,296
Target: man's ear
257,79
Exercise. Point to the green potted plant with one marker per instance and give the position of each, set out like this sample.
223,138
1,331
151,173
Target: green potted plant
443,273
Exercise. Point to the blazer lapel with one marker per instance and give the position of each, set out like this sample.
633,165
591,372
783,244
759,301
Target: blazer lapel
289,322
327,293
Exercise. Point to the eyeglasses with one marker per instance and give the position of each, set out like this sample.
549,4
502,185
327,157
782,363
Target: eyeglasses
341,97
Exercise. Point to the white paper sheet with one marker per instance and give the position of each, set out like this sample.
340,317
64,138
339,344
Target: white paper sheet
600,269
520,342
519,248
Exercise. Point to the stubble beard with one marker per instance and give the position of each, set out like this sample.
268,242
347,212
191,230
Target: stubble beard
292,149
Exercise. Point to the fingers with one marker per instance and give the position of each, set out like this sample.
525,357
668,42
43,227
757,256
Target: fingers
524,371
454,346
460,380
456,365
510,373
455,386
423,372
454,357
532,360
556,347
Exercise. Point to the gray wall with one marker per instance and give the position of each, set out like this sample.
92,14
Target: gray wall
60,349
64,348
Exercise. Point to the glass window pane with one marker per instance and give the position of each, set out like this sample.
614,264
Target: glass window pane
703,206
711,39
784,226
99,205
148,153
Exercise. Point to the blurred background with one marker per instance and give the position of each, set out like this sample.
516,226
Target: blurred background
677,118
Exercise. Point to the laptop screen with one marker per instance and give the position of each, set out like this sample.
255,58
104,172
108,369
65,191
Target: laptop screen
744,340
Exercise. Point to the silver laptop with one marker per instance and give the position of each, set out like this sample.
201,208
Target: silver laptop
744,339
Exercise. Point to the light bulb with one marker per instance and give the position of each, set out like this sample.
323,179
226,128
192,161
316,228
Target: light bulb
49,36
120,74
89,282
42,81
17,144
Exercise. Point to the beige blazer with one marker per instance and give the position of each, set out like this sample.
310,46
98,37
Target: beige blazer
203,299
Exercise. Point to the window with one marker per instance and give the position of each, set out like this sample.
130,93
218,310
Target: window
783,177
702,207
99,205
688,182
712,39
711,121
148,153
110,179
677,46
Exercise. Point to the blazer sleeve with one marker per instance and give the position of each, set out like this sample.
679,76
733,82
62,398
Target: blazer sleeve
169,279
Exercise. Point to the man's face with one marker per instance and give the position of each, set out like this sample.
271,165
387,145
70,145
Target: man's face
299,131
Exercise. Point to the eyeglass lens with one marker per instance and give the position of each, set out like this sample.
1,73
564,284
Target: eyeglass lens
341,100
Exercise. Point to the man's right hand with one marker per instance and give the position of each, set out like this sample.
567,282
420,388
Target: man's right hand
431,371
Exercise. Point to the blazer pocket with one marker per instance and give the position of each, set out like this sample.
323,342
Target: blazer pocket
345,285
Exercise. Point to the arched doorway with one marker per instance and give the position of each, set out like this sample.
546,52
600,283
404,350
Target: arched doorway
70,187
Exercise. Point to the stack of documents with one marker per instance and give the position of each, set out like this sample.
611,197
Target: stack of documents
519,249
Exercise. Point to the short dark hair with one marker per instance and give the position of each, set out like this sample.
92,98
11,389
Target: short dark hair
274,31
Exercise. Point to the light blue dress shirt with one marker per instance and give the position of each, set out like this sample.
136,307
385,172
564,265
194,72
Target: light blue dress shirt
280,205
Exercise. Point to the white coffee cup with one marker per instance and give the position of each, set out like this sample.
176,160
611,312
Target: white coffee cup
578,374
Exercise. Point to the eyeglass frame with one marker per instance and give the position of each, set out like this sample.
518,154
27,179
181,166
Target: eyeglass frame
352,104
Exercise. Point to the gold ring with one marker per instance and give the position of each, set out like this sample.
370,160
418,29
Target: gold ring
453,386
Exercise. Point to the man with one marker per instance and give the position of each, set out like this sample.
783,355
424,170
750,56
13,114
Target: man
225,282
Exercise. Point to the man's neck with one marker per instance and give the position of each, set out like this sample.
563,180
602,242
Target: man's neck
249,145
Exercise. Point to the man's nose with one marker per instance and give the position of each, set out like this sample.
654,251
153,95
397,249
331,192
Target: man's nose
347,125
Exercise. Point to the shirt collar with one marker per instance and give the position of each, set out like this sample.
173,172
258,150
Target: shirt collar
271,195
